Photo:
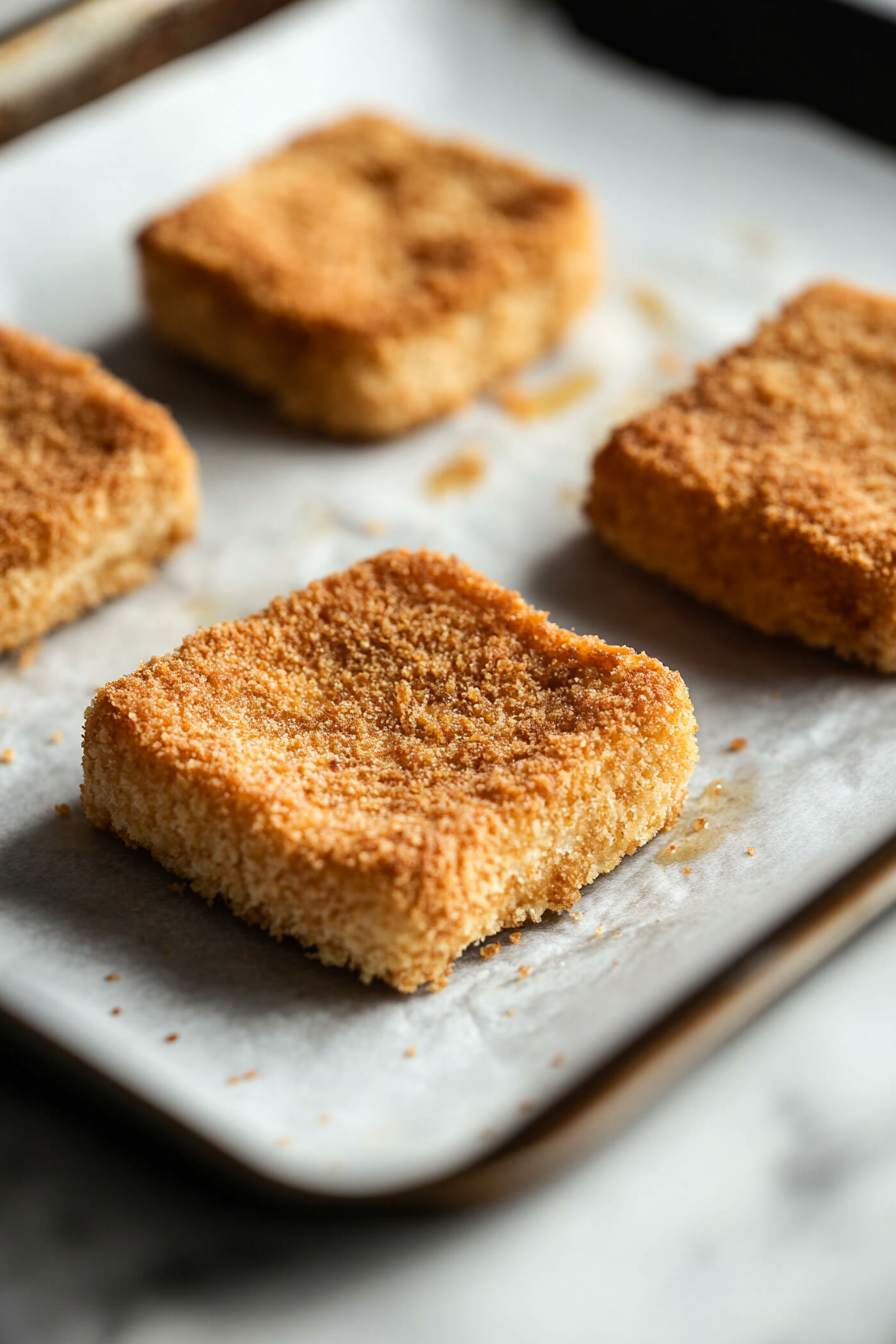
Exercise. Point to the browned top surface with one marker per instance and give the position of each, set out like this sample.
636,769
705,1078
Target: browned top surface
366,227
67,428
403,691
799,424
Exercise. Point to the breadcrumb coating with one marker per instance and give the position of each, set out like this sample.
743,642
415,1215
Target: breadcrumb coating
768,488
369,277
96,486
391,764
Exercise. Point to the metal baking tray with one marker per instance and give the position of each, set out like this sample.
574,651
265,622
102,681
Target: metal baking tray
293,1074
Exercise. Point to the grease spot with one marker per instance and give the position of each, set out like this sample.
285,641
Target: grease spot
705,823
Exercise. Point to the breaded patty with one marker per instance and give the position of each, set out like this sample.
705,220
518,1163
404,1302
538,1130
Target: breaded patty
368,278
96,486
391,764
769,487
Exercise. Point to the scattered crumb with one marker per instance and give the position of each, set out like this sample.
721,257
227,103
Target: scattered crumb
460,472
669,361
7,755
599,930
570,496
177,886
250,1074
411,1052
558,1060
233,1080
283,1141
511,1012
27,654
172,1037
524,971
374,527
700,824
548,400
526,1106
57,737
323,1119
514,937
113,975
671,848
635,400
716,786
63,809
114,1012
575,914
490,950
751,850
650,304
737,744
614,962
618,933
685,870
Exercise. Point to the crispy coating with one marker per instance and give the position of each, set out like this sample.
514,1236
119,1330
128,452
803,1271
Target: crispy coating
369,278
768,488
96,486
391,764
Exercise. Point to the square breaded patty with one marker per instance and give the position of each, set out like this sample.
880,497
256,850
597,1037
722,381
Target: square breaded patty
391,764
367,278
96,486
768,488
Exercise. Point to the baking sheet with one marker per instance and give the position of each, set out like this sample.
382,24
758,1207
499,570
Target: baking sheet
712,214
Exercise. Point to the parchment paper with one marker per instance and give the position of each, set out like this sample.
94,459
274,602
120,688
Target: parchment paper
712,214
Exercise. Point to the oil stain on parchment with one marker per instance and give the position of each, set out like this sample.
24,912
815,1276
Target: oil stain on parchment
707,821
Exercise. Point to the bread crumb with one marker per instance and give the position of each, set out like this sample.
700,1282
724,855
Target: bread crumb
548,400
323,1119
374,527
57,737
250,1074
700,824
575,914
685,870
27,654
113,975
526,1106
460,472
7,755
490,950
114,1012
558,1060
671,849
751,850
63,809
650,304
615,962
411,1052
233,1080
599,930
669,361
524,971
514,937
737,744
510,1012
618,933
172,1037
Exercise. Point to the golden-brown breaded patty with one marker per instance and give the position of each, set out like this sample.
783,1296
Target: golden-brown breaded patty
368,278
769,487
96,486
391,764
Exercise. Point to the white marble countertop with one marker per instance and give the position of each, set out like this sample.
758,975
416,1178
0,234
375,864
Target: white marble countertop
755,1205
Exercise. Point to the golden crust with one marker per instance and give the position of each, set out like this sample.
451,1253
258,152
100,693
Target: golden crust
391,764
96,485
769,487
334,274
